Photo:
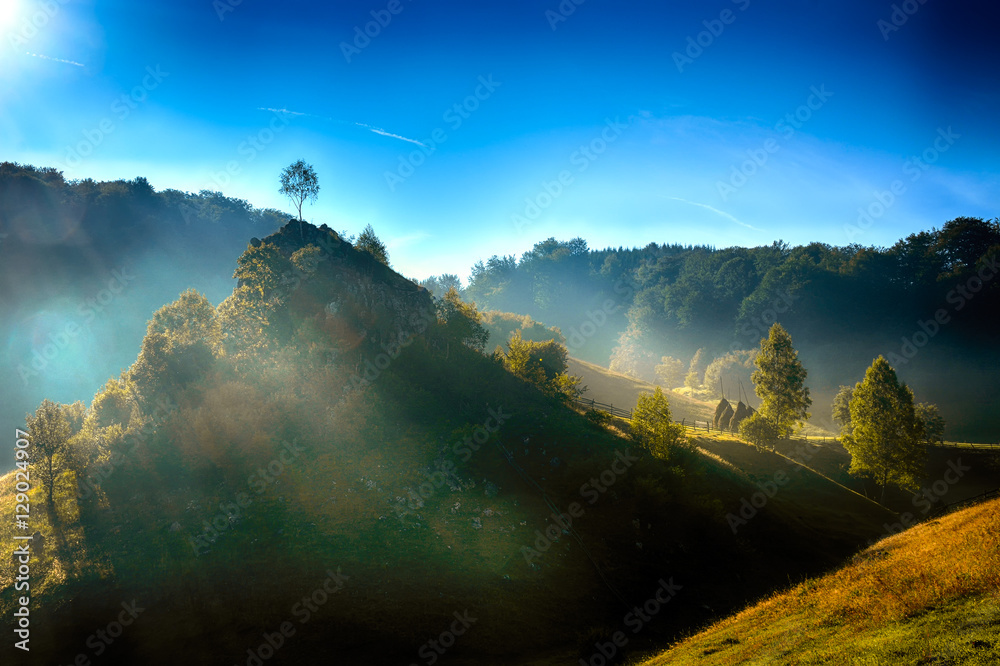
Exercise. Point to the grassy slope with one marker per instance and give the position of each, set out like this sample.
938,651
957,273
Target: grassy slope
612,388
925,596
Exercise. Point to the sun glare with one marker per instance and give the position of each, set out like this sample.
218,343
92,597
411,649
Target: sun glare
9,10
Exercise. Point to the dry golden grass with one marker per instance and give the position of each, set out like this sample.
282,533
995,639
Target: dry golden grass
873,603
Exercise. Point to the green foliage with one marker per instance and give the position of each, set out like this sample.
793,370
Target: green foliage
49,432
932,423
112,404
439,285
370,243
299,183
760,431
501,325
652,427
695,374
188,320
264,271
670,372
886,439
842,408
307,259
730,371
632,358
462,321
543,364
598,417
780,381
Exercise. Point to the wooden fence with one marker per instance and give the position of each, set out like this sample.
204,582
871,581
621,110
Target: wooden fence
969,445
948,508
708,427
610,409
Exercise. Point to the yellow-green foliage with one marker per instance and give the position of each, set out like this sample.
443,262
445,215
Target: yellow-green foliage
501,325
652,427
541,363
927,595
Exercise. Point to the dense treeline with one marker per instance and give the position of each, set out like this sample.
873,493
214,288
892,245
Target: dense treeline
934,290
83,264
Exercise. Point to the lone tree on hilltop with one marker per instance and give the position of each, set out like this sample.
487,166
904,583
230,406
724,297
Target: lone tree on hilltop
780,381
300,184
50,432
886,438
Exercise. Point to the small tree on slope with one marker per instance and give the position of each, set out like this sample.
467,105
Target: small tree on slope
886,435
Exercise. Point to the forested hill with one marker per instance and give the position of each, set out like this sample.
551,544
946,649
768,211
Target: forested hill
931,300
84,264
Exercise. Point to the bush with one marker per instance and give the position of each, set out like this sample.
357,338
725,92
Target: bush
598,417
760,431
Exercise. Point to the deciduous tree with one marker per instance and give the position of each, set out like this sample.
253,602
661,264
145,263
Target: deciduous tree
300,184
652,427
49,435
886,441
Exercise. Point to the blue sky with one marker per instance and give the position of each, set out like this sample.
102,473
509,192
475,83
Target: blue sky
569,123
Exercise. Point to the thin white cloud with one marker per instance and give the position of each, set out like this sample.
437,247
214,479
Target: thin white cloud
717,211
45,57
376,130
379,130
285,111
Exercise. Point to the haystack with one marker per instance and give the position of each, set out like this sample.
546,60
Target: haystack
742,412
720,409
725,417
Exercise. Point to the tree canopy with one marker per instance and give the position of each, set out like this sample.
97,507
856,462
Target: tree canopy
780,381
49,430
370,243
299,183
652,426
886,439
